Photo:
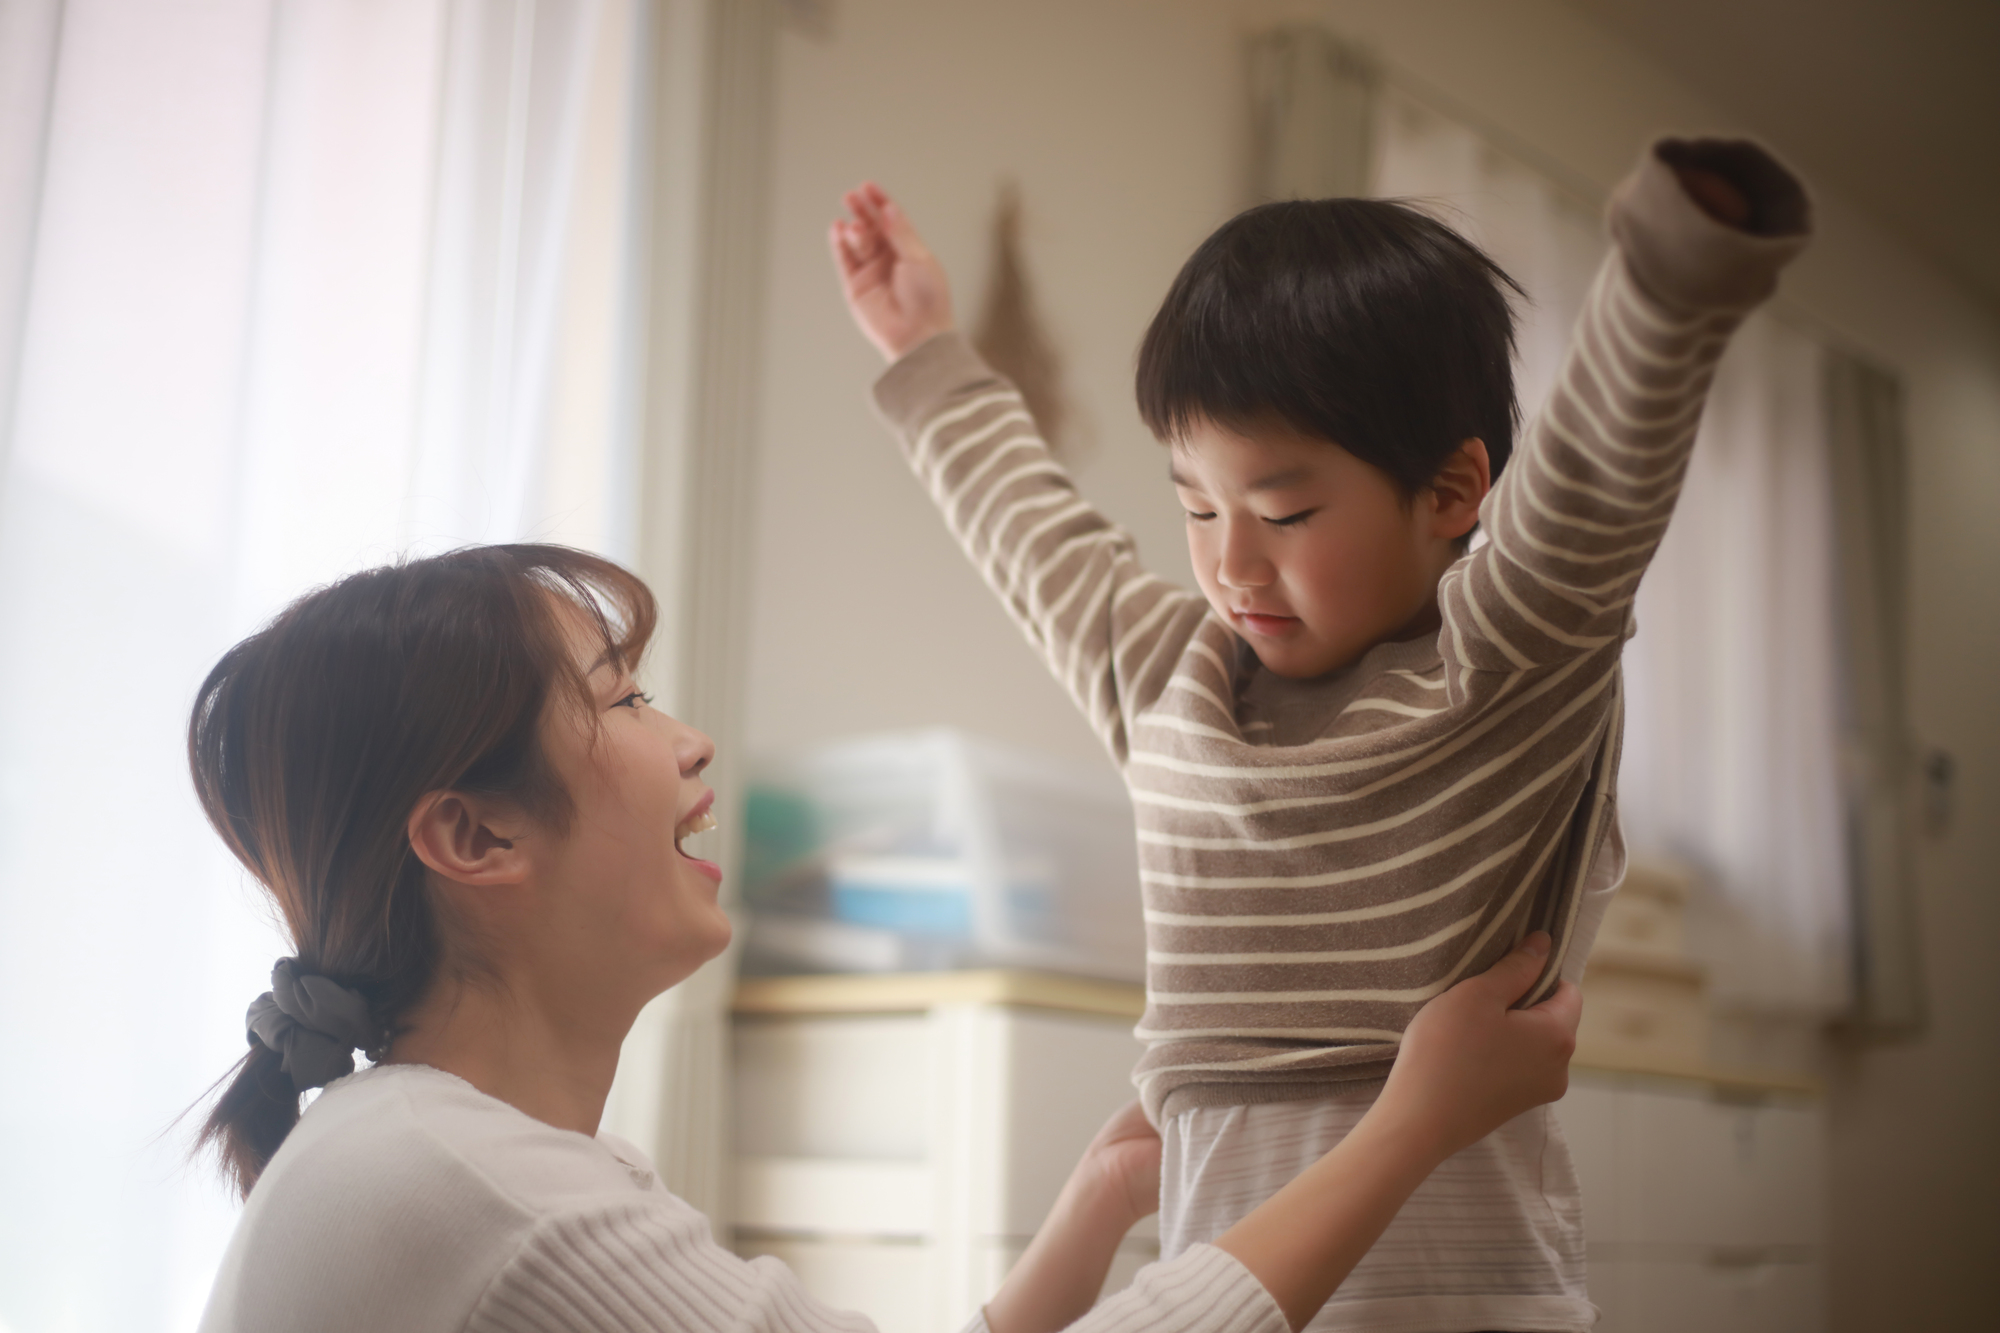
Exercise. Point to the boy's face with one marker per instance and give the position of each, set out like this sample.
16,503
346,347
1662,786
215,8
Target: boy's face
1310,554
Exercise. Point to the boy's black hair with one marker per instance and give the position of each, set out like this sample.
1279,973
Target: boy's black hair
1360,321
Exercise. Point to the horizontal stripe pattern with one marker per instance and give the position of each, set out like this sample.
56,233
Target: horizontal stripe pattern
1319,857
1504,1212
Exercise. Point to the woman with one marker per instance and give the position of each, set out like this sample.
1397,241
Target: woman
471,821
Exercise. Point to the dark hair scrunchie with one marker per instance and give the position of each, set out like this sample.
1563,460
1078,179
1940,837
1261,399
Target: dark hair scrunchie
312,1022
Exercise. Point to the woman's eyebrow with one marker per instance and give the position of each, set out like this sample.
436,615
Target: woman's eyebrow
610,657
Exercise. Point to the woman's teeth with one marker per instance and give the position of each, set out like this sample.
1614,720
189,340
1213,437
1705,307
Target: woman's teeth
701,823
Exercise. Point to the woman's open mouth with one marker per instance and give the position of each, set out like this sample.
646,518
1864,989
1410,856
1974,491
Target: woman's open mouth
699,820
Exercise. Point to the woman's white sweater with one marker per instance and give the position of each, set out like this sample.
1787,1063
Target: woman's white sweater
406,1199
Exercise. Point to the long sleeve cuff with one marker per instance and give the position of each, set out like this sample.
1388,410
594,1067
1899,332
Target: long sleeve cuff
910,391
1687,260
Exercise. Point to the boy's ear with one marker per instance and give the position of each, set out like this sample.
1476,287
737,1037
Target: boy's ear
1459,488
468,839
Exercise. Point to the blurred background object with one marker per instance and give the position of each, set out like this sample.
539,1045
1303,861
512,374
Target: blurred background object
1010,334
929,850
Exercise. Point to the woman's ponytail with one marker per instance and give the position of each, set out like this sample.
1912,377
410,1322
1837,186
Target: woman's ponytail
257,1109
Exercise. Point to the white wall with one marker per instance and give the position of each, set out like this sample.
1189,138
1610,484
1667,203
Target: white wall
1121,121
1124,123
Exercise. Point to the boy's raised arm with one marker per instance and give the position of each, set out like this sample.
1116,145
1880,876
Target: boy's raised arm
1701,230
1109,631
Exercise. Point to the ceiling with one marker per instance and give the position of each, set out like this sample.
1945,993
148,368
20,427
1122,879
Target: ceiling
1894,104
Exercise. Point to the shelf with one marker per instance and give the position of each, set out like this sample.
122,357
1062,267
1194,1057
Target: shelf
915,992
918,992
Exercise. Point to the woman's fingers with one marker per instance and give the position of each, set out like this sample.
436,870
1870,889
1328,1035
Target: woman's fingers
1511,977
1128,1122
1564,1008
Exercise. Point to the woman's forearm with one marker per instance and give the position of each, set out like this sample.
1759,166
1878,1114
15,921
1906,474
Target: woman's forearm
1303,1242
1300,1244
1063,1269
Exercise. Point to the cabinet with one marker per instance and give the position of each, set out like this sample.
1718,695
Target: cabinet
1704,1201
899,1138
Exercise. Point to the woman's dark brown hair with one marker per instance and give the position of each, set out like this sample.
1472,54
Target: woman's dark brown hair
313,740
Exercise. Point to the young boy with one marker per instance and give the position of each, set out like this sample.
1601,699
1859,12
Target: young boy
1365,762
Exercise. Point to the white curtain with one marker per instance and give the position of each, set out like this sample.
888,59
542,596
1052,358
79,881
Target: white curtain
1731,761
285,289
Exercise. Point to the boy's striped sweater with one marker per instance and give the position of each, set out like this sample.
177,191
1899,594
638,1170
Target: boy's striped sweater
1318,858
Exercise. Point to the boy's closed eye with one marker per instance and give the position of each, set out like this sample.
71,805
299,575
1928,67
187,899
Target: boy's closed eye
1290,519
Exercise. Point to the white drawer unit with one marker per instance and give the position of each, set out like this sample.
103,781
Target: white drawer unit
899,1139
1718,1294
1704,1201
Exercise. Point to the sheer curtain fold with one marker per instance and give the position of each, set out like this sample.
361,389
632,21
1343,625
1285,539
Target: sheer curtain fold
446,257
1732,752
1864,411
297,287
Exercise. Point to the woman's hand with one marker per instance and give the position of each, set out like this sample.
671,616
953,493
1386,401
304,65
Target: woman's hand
1122,1164
1470,1062
1116,1183
895,288
1468,1065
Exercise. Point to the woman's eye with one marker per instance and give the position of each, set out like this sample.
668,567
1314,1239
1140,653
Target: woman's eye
633,700
1289,519
1200,518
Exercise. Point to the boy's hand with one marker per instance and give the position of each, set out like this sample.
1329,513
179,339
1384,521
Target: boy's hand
1716,195
1470,1062
895,288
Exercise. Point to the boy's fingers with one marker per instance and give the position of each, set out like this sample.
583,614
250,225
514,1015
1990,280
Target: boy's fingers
901,233
866,207
843,252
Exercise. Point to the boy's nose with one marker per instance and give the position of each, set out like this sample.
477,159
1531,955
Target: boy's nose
1242,563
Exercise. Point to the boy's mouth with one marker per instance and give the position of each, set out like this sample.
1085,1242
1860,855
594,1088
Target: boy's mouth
1264,624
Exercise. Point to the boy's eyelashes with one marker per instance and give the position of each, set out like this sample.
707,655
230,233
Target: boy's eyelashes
1285,522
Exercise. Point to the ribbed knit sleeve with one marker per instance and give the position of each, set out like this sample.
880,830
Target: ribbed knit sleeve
647,1265
1580,510
1204,1290
651,1265
1110,631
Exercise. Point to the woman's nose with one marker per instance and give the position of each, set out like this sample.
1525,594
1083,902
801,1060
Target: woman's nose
695,750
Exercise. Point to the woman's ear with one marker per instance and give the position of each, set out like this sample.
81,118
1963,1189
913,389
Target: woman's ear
469,840
1458,489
